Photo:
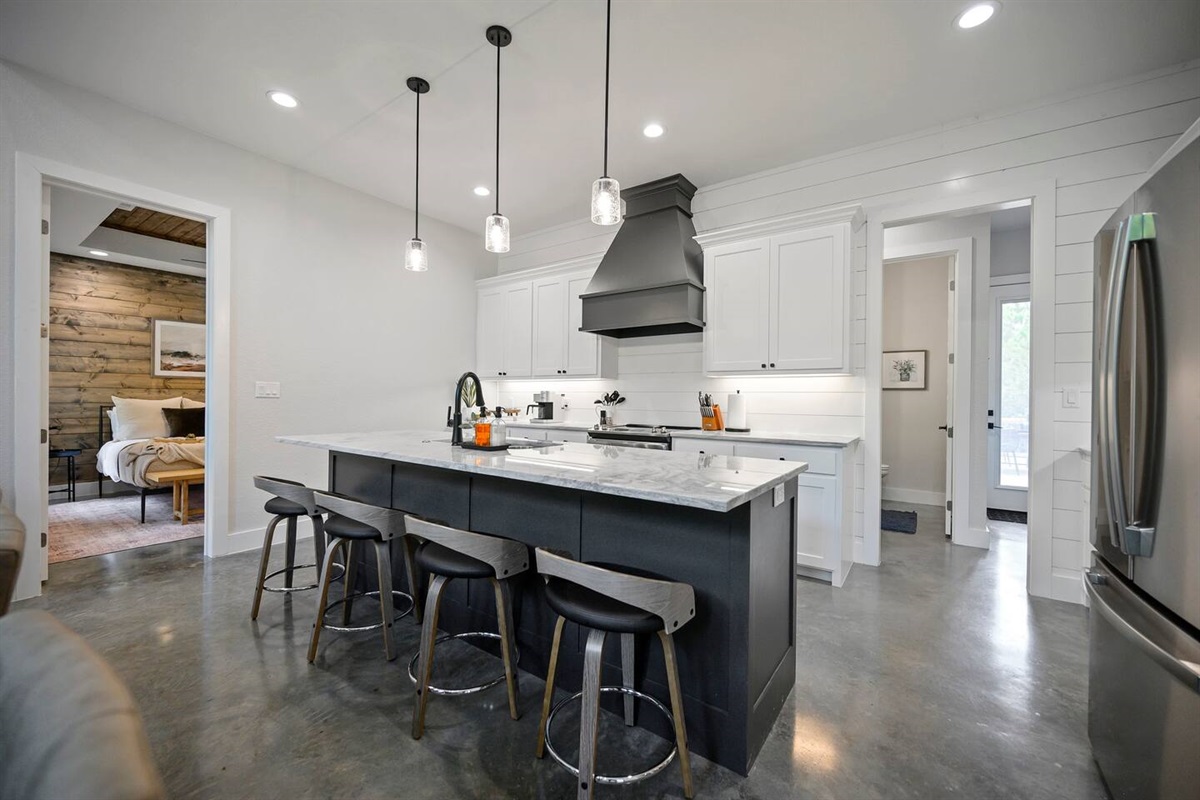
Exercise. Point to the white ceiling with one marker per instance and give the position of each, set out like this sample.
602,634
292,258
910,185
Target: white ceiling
741,86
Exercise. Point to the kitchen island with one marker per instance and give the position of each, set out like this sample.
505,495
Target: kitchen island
724,525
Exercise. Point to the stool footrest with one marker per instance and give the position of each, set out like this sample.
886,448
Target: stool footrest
290,589
444,692
377,625
613,780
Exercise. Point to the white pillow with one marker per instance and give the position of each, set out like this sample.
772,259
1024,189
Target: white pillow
190,403
141,419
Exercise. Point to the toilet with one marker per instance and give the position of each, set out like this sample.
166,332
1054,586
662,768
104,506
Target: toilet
884,469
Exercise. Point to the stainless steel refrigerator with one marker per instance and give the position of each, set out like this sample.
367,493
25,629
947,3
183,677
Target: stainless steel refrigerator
1144,581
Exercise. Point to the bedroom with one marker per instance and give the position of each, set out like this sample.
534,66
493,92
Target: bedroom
126,383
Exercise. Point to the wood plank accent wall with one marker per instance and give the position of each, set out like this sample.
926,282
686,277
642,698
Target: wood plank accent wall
101,334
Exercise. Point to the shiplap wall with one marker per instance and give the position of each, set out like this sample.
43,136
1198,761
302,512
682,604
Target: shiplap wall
101,332
1094,144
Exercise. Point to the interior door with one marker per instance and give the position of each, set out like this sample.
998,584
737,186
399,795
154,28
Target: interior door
44,466
1008,398
951,331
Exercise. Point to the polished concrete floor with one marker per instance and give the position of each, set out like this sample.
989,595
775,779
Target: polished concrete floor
932,676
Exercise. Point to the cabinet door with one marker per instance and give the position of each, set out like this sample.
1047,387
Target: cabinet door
583,349
817,524
708,447
549,326
808,300
489,332
738,285
518,331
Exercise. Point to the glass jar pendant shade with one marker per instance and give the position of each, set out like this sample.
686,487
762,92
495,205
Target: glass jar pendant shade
606,191
606,201
495,233
495,227
416,256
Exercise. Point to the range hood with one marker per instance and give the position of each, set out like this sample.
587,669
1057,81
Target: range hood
651,280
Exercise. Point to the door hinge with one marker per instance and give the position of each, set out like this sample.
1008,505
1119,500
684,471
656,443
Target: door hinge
45,436
951,358
43,538
952,286
949,505
45,331
45,227
950,432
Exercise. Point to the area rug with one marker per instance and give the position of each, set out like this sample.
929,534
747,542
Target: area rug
1000,515
105,525
898,521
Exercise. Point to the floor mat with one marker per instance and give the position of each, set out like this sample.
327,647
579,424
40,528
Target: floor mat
1000,515
898,521
105,525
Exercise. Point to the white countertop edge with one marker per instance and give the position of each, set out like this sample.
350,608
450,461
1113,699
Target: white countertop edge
566,483
773,437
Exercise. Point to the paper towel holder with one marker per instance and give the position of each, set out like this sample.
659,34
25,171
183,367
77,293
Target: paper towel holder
737,414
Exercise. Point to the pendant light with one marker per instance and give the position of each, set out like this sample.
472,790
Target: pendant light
606,192
495,230
416,258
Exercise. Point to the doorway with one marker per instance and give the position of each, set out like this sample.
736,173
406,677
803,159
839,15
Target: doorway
1008,403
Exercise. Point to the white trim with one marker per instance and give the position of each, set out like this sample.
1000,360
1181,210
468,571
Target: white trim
1010,280
962,252
31,485
920,497
852,214
1043,194
1007,498
548,270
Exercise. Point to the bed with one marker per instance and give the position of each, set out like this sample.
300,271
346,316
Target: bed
130,460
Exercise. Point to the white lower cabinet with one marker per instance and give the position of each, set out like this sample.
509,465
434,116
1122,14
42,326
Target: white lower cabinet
824,500
542,434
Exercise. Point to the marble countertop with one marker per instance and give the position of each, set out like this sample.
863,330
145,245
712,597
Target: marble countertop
553,425
713,483
773,437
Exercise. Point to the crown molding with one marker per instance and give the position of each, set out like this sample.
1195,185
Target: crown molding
851,214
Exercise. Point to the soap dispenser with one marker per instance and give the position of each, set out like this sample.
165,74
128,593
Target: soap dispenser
499,428
483,429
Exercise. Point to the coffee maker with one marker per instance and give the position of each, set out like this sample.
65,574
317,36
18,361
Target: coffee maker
542,408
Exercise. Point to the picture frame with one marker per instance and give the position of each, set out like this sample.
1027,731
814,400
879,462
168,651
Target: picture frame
179,349
905,369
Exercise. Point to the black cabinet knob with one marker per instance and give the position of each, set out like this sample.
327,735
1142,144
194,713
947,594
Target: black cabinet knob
772,365
764,366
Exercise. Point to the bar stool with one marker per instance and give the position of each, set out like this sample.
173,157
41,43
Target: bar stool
607,601
291,501
352,521
448,553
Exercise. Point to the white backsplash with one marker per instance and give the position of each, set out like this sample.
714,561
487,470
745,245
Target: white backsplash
661,375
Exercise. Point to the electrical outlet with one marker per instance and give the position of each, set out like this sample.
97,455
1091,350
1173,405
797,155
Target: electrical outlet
778,497
1071,398
267,389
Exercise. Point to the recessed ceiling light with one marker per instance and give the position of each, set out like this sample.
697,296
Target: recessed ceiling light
976,14
653,130
282,99
99,253
482,191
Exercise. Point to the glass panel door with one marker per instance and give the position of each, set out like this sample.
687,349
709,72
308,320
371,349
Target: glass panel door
1008,399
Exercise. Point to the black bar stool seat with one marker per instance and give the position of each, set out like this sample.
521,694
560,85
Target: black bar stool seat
284,507
594,610
433,557
347,528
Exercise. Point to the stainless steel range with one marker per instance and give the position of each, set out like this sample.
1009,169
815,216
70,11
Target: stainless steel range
647,437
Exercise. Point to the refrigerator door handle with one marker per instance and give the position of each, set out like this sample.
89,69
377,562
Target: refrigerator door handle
1097,586
1134,537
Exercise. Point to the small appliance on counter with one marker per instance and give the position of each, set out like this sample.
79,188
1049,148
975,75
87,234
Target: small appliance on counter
542,408
710,415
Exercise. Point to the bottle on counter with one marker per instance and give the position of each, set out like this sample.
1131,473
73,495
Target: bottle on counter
483,429
499,428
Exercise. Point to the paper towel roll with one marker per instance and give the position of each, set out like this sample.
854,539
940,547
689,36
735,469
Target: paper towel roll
736,416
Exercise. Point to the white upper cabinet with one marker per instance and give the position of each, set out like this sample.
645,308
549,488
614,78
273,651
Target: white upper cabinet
504,332
529,327
780,302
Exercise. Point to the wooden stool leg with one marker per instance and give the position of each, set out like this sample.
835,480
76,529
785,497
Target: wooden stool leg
263,562
433,602
383,562
290,563
318,524
507,644
409,544
323,599
589,719
184,502
348,580
627,666
685,762
541,740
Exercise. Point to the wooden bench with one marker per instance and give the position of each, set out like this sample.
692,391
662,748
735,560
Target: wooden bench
180,480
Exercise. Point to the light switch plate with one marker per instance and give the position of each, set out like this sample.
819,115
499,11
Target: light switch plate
1071,398
779,495
268,389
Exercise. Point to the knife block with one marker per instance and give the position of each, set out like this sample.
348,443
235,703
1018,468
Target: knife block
714,423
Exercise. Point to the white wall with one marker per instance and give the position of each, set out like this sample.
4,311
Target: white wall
916,317
320,299
1010,252
1094,145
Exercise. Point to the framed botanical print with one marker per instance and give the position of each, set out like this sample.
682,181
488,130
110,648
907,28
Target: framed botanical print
904,369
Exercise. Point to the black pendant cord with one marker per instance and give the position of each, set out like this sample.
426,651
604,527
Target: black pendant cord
607,52
497,130
417,181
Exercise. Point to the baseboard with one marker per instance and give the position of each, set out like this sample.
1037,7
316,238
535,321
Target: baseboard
87,489
973,537
252,539
815,573
1067,585
897,494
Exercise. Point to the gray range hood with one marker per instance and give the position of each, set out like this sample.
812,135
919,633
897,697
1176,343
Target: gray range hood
651,280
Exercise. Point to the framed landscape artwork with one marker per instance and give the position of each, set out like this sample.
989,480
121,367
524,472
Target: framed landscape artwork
904,369
179,349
